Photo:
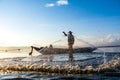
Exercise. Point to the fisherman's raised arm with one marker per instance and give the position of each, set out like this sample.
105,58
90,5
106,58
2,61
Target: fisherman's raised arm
64,33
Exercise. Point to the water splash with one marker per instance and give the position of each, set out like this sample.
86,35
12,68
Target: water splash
77,67
104,57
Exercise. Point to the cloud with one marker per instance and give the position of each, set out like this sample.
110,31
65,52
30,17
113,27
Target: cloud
49,5
62,2
57,3
107,40
110,40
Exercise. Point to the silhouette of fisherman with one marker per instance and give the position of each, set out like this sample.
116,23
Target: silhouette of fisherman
70,44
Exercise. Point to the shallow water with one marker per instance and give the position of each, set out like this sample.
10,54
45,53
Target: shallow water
23,58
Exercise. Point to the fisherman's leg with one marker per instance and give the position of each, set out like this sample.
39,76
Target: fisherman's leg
71,57
71,53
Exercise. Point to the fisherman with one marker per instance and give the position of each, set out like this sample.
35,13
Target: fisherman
70,44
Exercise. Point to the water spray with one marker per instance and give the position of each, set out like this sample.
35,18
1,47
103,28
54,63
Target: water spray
104,56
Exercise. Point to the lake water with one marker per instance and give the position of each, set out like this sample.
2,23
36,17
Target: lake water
88,58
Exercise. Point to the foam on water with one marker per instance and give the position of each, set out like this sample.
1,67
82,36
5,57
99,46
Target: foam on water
86,63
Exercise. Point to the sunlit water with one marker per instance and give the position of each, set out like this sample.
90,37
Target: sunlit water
56,57
91,58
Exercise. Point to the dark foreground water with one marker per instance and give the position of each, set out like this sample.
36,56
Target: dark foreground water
44,76
85,59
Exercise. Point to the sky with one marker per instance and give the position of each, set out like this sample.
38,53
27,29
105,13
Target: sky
41,22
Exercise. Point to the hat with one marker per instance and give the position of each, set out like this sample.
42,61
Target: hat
70,32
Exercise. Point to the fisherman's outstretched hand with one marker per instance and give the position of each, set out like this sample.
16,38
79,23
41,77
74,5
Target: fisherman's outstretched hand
64,33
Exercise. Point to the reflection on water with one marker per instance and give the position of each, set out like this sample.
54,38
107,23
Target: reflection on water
60,57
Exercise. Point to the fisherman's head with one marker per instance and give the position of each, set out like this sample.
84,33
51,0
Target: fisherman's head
70,32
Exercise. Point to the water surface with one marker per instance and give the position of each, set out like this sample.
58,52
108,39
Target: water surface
23,57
